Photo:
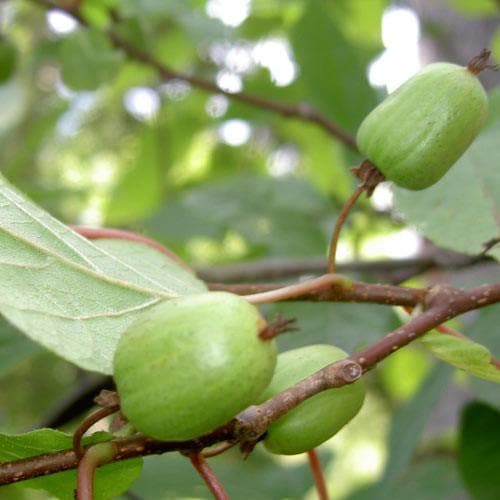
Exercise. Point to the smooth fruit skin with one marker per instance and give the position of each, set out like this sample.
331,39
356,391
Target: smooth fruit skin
415,135
319,417
191,364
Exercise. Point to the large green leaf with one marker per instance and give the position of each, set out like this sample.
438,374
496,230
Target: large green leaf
110,480
69,295
479,450
461,211
14,347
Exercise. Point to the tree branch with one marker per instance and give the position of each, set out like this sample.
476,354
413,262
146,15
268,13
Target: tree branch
441,303
301,111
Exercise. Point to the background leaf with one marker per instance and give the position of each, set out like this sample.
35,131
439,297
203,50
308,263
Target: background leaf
88,60
479,450
110,480
439,212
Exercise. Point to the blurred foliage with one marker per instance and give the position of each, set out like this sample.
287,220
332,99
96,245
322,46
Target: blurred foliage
95,137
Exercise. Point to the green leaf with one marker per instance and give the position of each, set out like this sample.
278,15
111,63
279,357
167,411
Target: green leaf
475,7
88,60
340,324
69,295
479,450
273,216
138,191
462,353
474,184
14,347
408,424
333,70
110,480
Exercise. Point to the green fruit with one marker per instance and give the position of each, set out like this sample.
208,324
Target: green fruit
191,364
319,417
7,60
415,135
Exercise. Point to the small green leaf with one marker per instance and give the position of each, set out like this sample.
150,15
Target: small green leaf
463,353
479,450
88,60
110,480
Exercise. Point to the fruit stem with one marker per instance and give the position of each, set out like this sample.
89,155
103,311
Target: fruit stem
369,176
299,289
480,62
96,455
317,472
208,476
87,422
346,209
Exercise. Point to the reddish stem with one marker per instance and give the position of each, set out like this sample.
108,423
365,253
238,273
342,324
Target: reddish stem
317,472
88,422
208,476
346,209
217,450
99,233
95,456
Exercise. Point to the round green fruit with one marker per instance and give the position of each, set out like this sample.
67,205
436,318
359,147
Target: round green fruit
319,417
191,364
415,135
8,57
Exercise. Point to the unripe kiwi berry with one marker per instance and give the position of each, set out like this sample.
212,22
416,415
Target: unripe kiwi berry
317,418
418,132
191,364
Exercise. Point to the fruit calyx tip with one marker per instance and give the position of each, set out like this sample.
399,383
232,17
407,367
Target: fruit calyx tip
480,62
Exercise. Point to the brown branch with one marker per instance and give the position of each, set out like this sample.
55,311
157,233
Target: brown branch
328,288
442,303
276,268
301,111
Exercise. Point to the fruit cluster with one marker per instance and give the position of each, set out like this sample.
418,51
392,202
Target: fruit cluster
193,363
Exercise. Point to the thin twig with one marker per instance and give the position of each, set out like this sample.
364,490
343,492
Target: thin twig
317,472
301,111
208,476
440,305
346,209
